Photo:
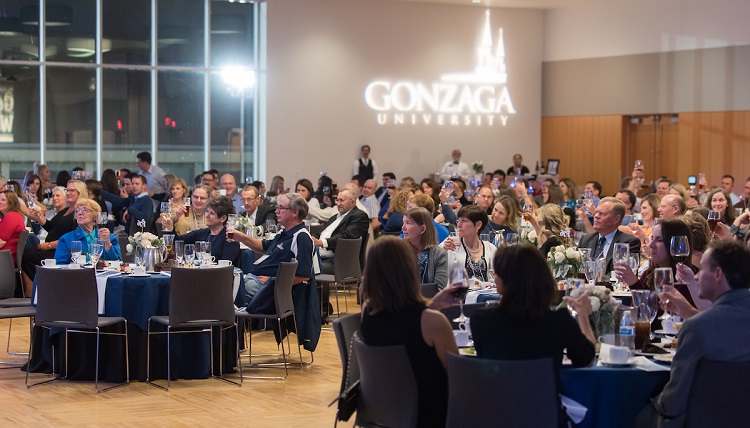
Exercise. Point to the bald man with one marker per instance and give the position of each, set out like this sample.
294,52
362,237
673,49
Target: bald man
230,186
671,206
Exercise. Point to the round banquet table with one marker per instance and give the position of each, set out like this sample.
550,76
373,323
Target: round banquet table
135,299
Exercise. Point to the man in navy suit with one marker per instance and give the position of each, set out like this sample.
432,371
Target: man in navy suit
140,207
350,223
252,207
609,214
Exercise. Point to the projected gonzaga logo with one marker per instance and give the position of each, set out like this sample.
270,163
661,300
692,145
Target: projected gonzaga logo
478,98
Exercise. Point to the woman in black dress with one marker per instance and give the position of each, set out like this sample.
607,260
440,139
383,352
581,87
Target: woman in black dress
395,313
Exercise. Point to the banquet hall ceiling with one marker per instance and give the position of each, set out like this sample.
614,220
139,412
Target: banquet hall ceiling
528,4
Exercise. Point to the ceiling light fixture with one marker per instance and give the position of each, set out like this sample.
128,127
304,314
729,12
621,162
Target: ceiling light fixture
81,47
55,16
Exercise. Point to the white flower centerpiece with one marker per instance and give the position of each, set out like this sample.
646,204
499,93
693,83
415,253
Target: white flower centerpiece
478,167
528,235
145,240
564,262
605,312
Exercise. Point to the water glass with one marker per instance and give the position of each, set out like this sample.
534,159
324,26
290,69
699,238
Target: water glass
574,287
511,238
139,256
621,253
75,251
179,251
95,252
189,253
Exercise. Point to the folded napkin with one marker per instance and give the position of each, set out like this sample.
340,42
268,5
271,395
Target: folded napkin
575,410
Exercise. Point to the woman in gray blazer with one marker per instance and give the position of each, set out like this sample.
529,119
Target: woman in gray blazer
419,231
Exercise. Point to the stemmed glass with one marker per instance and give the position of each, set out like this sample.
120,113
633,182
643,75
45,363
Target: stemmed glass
460,280
663,281
101,219
621,254
198,253
680,248
75,251
95,252
511,238
166,210
456,241
713,221
573,289
179,251
140,256
205,251
189,253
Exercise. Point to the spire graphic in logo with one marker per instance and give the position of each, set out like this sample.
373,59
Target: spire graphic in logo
490,66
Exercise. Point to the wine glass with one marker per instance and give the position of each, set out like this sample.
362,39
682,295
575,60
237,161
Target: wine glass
75,251
680,248
511,238
189,253
574,287
206,252
166,210
101,219
179,251
460,280
198,252
621,254
456,241
95,252
663,281
713,221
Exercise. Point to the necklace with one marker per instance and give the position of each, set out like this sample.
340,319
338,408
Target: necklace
472,250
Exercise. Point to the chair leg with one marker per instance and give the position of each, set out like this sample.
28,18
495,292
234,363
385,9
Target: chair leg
148,359
7,348
13,364
28,364
222,376
127,363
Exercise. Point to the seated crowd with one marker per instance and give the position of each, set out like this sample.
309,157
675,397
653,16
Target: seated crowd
417,232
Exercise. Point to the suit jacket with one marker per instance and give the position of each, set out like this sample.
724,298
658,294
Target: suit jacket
719,333
140,209
354,225
262,213
590,240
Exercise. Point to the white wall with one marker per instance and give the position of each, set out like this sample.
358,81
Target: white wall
323,53
615,28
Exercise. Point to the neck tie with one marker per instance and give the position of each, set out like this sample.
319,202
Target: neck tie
600,248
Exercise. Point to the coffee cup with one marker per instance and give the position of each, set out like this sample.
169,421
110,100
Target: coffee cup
609,339
223,192
619,354
139,270
462,338
465,326
74,266
115,264
225,263
49,262
668,326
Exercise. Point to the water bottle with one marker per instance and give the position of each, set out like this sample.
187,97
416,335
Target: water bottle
627,331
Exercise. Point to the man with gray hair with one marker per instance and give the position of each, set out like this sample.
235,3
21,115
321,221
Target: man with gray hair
609,214
350,223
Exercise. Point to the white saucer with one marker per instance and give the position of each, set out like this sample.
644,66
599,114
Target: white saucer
669,333
134,275
53,267
664,358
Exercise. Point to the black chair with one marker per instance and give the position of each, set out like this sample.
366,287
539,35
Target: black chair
282,294
429,289
346,270
452,312
199,299
317,229
719,395
387,385
20,247
524,392
68,299
344,328
9,314
7,290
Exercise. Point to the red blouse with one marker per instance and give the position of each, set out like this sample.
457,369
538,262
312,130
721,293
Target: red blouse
11,226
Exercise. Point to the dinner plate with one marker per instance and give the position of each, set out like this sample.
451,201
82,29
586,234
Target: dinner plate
613,365
668,333
470,352
135,275
152,271
664,358
53,267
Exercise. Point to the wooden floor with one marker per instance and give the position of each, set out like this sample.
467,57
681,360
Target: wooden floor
299,401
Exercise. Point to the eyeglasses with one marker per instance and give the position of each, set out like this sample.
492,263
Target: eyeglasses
81,210
280,208
71,190
200,198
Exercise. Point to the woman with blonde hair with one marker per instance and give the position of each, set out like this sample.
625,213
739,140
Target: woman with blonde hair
549,222
395,215
86,212
395,313
505,215
45,175
419,231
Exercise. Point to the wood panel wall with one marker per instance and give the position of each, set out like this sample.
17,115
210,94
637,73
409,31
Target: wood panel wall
589,148
604,147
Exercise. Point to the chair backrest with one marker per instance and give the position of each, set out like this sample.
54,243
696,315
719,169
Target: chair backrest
123,240
429,289
7,275
346,259
719,395
201,294
68,295
452,312
22,238
344,329
282,291
317,229
524,392
387,385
